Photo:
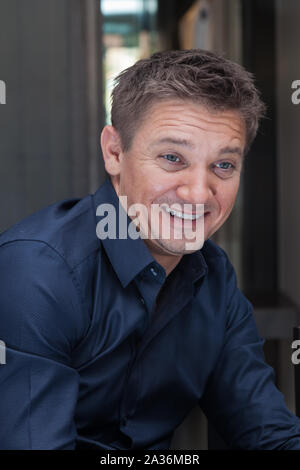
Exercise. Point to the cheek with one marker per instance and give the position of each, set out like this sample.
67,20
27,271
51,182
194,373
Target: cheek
227,198
135,173
131,177
142,188
157,187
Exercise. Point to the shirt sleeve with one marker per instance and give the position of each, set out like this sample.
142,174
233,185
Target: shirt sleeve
241,399
39,308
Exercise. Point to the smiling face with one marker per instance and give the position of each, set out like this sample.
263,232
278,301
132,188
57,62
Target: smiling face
181,154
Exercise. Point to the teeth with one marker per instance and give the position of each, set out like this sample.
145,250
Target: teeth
181,215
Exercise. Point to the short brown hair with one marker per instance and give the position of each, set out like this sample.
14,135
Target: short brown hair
201,76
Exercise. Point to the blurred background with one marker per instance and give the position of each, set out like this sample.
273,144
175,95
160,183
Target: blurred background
58,59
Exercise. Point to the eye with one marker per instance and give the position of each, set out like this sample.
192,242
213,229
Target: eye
224,169
225,165
171,158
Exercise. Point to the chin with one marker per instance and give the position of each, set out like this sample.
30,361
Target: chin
181,248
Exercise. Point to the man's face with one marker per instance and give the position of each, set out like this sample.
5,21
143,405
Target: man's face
182,154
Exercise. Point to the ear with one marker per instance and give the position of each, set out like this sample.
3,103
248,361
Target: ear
111,149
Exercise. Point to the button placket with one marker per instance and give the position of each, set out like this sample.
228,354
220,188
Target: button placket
129,398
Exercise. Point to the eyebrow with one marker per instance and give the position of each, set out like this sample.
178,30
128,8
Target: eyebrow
234,150
186,143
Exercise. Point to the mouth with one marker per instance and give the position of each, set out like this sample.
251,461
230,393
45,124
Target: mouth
183,215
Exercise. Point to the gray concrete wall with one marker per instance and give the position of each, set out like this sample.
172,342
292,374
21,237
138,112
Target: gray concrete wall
288,126
45,131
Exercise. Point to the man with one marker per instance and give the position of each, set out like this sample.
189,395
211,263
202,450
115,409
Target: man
111,341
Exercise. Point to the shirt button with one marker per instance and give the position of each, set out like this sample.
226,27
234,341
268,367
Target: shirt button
154,272
142,300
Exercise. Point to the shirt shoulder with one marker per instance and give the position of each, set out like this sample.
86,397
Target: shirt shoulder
68,227
46,261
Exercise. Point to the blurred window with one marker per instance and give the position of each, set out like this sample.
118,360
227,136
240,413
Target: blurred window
129,34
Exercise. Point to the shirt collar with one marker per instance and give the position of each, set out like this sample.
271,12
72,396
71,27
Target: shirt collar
127,256
131,256
193,266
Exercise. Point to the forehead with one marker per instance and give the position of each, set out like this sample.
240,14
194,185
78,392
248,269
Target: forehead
186,119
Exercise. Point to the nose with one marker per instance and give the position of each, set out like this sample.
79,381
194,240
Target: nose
197,187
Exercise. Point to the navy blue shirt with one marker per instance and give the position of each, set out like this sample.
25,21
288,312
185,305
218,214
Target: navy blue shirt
103,351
